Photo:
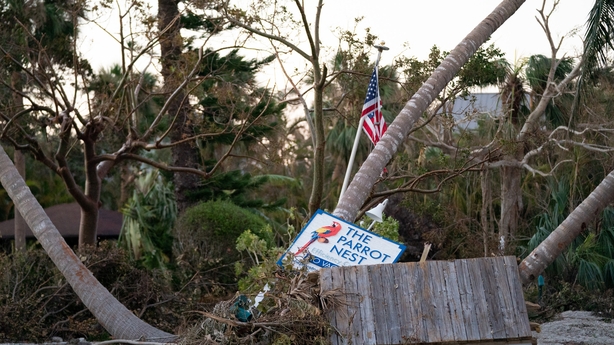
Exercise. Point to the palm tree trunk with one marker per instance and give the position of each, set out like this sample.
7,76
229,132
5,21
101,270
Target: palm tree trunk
577,221
120,322
365,178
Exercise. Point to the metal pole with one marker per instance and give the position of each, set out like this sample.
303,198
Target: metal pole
348,171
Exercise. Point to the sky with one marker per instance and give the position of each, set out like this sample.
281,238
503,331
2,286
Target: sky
424,23
412,27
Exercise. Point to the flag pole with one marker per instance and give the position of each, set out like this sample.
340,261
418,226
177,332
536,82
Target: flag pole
348,172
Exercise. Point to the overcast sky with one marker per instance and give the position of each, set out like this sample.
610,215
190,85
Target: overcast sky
423,23
419,23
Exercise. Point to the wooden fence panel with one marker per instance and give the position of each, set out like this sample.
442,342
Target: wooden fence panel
464,301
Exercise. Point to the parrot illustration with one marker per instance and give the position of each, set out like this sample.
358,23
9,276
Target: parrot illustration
321,235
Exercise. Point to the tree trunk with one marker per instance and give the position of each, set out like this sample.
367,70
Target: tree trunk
120,322
20,223
511,204
184,154
317,189
88,226
577,221
20,160
365,178
485,216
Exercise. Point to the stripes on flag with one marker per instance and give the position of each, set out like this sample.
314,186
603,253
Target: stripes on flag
374,124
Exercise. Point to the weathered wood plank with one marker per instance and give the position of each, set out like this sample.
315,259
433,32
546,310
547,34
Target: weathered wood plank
427,300
391,304
503,297
479,298
418,295
326,285
353,299
341,312
468,307
520,308
453,297
442,306
490,291
379,302
514,317
406,302
366,306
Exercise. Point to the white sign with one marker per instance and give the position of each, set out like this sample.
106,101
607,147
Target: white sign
327,241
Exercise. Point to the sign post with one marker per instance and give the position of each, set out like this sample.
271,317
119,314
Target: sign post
327,241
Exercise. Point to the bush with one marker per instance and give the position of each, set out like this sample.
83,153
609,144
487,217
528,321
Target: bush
206,239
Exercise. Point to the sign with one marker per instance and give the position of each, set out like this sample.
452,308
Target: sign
327,241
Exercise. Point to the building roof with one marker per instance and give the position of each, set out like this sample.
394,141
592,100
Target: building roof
66,218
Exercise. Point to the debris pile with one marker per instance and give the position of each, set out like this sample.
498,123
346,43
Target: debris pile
293,311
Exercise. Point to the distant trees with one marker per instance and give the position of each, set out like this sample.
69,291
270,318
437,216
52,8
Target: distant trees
593,87
30,27
124,118
264,18
125,115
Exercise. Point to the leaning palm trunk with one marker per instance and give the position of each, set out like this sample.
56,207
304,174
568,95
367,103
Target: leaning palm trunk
365,178
577,221
120,322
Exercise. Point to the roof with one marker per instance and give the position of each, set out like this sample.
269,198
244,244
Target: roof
478,103
66,218
466,110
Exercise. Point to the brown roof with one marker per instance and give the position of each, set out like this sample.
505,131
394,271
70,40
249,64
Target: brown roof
66,218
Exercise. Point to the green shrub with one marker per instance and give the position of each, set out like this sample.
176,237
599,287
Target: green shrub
206,238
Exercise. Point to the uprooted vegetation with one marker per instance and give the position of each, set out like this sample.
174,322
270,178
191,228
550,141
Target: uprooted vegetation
293,312
36,303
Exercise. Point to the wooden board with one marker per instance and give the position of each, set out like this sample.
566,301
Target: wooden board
463,301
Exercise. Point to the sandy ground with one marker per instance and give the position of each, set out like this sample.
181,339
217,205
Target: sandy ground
576,328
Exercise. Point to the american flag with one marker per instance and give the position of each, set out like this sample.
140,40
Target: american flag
374,124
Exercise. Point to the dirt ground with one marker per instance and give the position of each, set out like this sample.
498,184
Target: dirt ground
576,328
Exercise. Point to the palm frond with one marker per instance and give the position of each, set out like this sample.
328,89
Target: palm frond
598,37
608,273
589,275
